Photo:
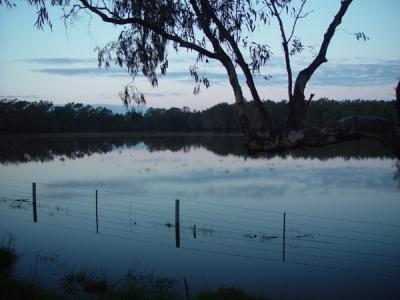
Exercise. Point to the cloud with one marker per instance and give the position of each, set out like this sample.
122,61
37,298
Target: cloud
155,94
57,61
359,72
83,72
366,74
330,74
26,97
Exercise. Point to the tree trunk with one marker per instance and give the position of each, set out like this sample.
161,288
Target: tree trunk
239,100
398,102
352,128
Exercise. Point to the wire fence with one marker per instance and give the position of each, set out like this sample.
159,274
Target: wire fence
334,243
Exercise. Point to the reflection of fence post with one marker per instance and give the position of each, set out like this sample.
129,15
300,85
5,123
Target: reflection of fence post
194,231
284,236
97,218
34,202
177,230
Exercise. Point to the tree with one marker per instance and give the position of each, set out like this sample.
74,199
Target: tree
222,30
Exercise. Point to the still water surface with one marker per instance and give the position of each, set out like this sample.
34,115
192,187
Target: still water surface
342,230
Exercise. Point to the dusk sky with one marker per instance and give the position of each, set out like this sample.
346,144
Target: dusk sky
61,65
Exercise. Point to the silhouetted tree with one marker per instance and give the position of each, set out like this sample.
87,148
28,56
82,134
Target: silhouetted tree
221,30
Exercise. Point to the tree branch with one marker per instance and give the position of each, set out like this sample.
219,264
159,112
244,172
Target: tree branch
285,46
352,128
244,66
298,16
297,103
398,102
204,19
126,21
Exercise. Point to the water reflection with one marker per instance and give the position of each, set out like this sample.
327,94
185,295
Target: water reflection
345,249
231,212
15,150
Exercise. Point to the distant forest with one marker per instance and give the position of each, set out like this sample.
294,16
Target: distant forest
44,117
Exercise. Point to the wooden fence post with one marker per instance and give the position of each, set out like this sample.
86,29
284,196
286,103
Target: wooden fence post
186,289
97,217
284,237
34,202
177,229
194,231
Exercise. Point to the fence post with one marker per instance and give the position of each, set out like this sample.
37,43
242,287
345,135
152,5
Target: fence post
284,237
97,217
194,231
34,202
177,229
186,289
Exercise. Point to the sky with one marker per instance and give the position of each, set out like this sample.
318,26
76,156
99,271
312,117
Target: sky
60,65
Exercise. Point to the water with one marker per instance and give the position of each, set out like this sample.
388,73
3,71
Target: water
342,233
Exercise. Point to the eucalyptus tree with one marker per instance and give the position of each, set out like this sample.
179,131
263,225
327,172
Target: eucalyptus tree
223,31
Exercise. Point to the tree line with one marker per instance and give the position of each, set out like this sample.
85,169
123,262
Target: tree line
18,116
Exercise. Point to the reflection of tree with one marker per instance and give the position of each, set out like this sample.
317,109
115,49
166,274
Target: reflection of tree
21,150
397,173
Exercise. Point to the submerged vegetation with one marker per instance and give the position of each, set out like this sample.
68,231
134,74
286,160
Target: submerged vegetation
45,117
8,256
89,285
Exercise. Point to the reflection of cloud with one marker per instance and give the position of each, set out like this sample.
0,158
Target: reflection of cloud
257,184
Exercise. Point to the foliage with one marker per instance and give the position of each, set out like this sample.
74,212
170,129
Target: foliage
44,117
225,32
17,289
8,256
227,294
84,282
145,287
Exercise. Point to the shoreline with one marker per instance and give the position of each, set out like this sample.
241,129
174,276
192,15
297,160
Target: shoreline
118,134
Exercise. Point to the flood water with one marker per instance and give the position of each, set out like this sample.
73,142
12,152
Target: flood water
317,224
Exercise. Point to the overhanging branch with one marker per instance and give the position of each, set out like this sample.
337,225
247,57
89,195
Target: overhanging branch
138,21
244,66
348,129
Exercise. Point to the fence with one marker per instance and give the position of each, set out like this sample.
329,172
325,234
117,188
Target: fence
209,227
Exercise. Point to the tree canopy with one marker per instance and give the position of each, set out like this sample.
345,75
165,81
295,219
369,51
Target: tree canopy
21,117
223,30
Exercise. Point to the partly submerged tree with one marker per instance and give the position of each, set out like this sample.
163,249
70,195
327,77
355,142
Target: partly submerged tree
222,30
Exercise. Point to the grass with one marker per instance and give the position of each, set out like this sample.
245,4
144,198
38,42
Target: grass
16,289
88,285
84,282
8,255
227,294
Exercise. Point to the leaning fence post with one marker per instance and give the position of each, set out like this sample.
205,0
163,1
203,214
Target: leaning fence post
34,202
186,289
177,229
97,217
284,237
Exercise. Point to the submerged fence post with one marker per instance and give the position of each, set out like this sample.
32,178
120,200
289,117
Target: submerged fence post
34,202
177,229
97,217
284,237
186,288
